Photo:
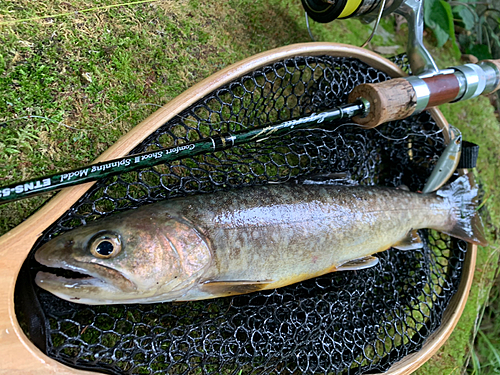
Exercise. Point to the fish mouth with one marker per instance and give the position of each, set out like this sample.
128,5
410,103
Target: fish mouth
63,272
75,282
57,284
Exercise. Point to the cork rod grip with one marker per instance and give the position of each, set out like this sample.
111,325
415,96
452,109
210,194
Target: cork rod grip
390,100
397,99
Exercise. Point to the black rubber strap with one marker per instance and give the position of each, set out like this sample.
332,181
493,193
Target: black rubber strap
470,152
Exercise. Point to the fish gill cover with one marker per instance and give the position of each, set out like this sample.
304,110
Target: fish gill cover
345,322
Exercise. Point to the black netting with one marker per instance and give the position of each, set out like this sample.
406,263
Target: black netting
346,322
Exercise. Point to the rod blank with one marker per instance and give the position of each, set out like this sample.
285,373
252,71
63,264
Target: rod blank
101,170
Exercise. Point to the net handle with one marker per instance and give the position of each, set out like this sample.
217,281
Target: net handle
17,353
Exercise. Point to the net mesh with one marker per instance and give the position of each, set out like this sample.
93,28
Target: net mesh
345,322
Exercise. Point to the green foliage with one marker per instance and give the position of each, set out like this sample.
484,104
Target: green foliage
438,17
485,355
477,26
479,31
481,51
465,16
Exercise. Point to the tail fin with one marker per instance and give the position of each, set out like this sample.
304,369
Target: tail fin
467,224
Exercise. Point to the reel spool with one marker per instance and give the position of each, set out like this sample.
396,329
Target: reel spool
325,11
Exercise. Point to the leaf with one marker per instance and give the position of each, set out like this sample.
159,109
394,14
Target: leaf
494,39
451,27
448,19
387,50
441,35
429,4
481,51
439,18
466,41
465,15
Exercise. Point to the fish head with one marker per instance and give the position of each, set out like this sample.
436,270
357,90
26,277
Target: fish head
138,257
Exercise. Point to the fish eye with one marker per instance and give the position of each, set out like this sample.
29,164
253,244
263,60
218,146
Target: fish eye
105,245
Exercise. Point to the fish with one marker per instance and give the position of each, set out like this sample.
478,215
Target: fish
241,241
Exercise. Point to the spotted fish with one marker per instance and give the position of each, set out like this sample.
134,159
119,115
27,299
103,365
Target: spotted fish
241,241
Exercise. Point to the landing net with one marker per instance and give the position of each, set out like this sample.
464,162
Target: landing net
345,322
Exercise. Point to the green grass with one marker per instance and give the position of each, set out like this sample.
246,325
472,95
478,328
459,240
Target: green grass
485,354
73,83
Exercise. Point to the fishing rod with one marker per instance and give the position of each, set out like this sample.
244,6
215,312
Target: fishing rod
369,105
129,163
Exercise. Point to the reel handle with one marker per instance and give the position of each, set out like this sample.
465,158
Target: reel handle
399,98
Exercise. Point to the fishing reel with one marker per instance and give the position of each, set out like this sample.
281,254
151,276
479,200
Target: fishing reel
421,61
325,11
428,85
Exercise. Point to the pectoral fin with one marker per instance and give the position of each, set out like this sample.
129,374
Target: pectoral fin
412,241
233,287
359,264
